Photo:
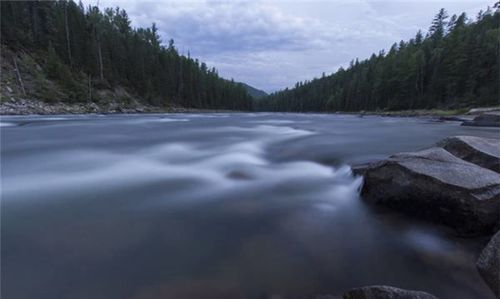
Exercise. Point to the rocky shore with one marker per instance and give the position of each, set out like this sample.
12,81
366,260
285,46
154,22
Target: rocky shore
31,106
456,183
25,89
476,117
490,119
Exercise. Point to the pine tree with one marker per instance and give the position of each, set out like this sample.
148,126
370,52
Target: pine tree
455,65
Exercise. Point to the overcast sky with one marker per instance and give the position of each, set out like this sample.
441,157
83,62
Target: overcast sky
273,44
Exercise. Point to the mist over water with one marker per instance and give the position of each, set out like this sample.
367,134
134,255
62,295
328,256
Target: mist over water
215,206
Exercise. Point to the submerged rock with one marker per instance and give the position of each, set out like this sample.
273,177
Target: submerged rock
488,264
435,184
484,152
452,118
491,119
385,292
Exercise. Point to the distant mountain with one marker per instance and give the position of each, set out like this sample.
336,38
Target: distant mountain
254,92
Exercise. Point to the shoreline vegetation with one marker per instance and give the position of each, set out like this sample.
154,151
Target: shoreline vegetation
20,106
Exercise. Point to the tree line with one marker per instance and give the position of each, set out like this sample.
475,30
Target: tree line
455,65
83,46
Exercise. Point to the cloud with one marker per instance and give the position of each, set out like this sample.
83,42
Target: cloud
226,27
273,44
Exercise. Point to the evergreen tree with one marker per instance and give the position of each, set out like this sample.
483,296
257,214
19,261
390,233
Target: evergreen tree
76,43
455,65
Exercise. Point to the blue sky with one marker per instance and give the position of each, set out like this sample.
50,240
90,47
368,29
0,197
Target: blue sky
273,44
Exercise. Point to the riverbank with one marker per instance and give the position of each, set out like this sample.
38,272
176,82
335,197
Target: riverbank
451,113
26,88
13,105
31,106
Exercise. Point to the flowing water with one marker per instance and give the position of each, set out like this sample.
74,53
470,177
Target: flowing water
215,206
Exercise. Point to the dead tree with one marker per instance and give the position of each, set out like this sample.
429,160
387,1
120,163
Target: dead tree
19,78
67,32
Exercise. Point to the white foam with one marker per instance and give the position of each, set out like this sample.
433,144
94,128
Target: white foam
273,121
279,121
7,124
166,119
49,118
210,169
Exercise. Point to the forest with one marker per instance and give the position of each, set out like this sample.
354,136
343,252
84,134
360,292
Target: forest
84,48
454,65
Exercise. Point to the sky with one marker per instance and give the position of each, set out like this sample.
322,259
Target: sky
274,44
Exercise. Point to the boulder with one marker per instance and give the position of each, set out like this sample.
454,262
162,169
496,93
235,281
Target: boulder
452,118
483,152
385,292
360,169
491,119
435,184
488,264
476,111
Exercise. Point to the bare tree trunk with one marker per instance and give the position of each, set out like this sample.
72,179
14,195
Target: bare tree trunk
34,20
100,59
90,88
67,32
422,81
19,78
181,80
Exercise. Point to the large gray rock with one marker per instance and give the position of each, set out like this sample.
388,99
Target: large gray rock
488,264
452,118
435,184
477,111
484,152
490,119
385,292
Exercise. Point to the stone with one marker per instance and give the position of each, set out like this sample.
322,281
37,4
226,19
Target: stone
484,152
385,292
488,264
490,119
451,118
435,184
476,111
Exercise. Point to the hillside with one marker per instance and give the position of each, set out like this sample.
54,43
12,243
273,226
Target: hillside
254,92
455,65
84,54
26,89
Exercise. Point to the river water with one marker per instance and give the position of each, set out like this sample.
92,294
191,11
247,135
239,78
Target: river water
215,206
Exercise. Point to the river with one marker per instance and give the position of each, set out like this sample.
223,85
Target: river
243,205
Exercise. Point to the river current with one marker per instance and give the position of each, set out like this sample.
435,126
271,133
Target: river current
237,205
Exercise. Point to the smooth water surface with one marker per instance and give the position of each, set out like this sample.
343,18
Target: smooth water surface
215,206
